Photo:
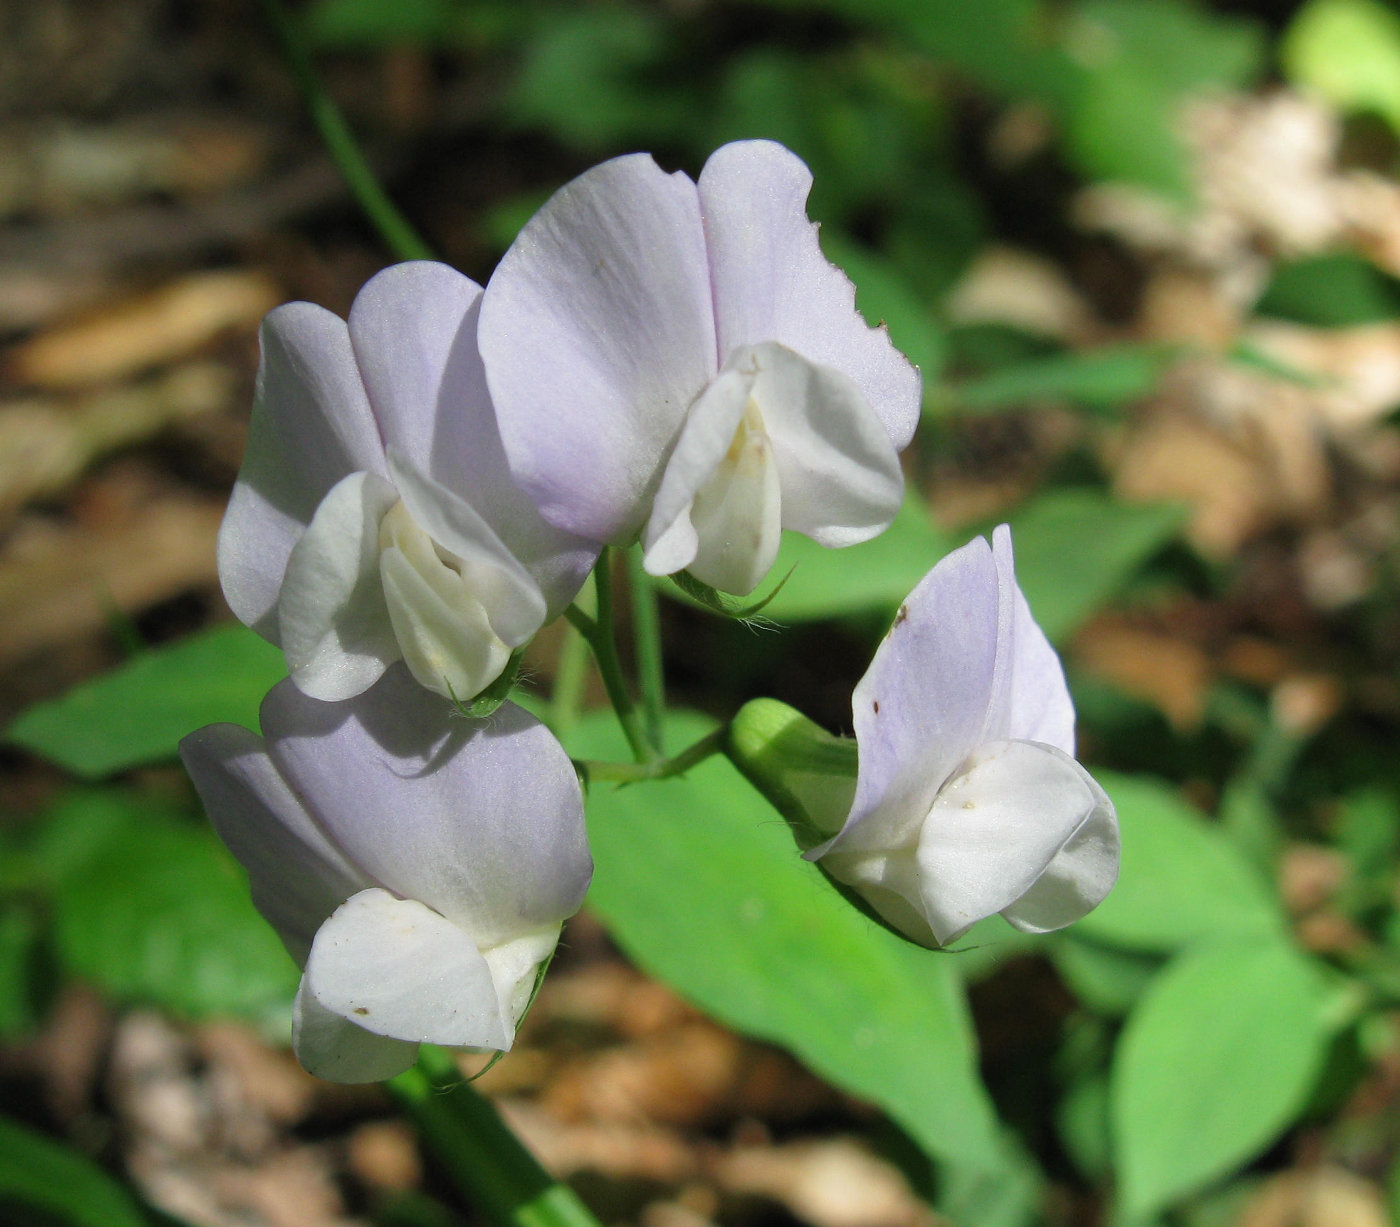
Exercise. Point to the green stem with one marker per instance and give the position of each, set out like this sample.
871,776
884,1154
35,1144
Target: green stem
396,231
484,1158
570,679
661,769
646,633
598,633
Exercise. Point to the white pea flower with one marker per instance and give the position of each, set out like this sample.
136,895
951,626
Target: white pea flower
968,799
375,518
418,868
677,360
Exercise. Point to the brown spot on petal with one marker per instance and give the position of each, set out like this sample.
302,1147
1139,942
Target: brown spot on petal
901,616
875,707
359,1009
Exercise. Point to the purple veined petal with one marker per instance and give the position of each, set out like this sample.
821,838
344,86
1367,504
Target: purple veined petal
920,708
1079,876
331,1048
597,334
399,969
335,627
509,593
841,479
1039,707
995,829
772,282
311,426
298,877
481,821
414,329
670,540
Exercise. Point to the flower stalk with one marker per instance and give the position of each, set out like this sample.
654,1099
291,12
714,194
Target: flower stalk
485,1159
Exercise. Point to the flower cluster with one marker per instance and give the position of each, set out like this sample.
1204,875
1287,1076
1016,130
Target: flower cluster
429,482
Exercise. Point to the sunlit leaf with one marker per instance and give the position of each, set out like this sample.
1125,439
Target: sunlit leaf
41,1177
137,713
150,906
1214,1063
1348,51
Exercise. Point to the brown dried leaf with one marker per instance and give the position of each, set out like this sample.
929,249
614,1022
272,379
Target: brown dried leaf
138,333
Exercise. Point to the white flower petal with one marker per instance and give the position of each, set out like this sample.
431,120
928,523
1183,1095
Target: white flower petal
772,283
335,627
413,329
332,1048
1038,703
670,540
597,333
508,593
298,877
398,969
441,628
920,708
311,426
996,827
840,476
1077,879
480,820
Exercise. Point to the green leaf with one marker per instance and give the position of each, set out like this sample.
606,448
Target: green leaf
151,907
1141,57
1214,1063
47,1178
1349,52
1107,979
19,954
1335,290
701,883
1182,879
137,713
872,577
1101,379
1076,548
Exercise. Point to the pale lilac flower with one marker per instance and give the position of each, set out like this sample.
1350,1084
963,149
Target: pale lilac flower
375,518
417,867
968,799
678,360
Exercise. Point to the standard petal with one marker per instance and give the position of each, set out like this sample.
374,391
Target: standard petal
480,820
597,333
1038,704
919,710
399,969
298,877
505,589
413,329
335,626
1079,876
311,425
331,1048
840,476
995,829
772,283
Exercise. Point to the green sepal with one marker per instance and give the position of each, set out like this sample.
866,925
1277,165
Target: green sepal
716,601
486,703
808,775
